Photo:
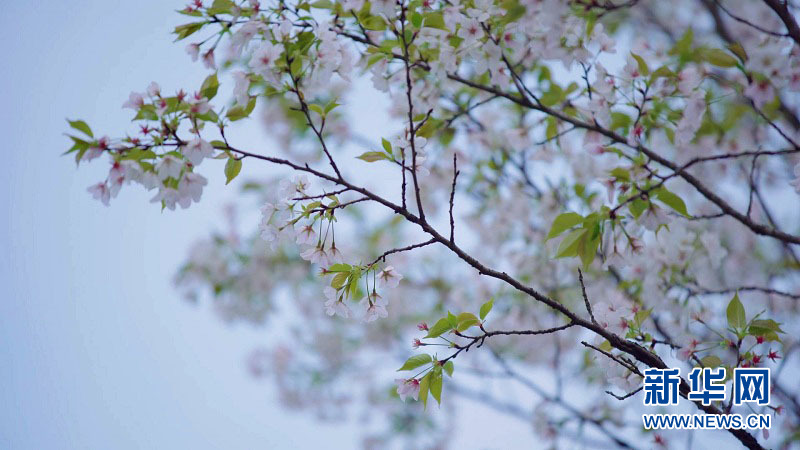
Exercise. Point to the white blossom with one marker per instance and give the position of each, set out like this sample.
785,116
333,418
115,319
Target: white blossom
169,167
388,277
196,150
100,192
407,388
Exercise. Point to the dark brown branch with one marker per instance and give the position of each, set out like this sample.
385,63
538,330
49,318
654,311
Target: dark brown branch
412,131
452,197
781,8
747,22
585,297
401,249
623,397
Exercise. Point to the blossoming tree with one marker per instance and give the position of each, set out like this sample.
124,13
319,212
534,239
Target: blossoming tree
572,191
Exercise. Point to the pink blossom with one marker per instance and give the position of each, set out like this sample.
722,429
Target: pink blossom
100,192
135,101
407,388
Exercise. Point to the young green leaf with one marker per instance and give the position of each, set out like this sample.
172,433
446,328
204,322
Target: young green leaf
736,315
81,126
440,327
641,65
436,387
239,112
386,146
416,361
232,168
720,58
448,367
186,30
339,280
711,361
452,319
466,320
569,246
424,385
486,308
564,222
372,156
210,86
673,201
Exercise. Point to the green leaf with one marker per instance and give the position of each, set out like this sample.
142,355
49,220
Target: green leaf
340,267
466,320
210,86
330,106
386,145
436,388
416,19
424,385
296,67
641,64
448,367
621,174
427,130
186,30
339,279
147,112
232,168
767,324
673,201
569,246
587,249
736,315
81,126
553,96
720,58
562,223
317,109
434,20
239,112
416,361
486,308
766,328
552,128
221,7
684,44
440,327
514,10
374,23
372,156
452,319
711,361
738,50
662,72
641,315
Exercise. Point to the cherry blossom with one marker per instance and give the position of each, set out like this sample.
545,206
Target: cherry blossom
407,388
169,167
334,305
134,102
193,50
196,150
100,192
389,278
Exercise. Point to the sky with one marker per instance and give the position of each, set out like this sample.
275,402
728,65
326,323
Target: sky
97,349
